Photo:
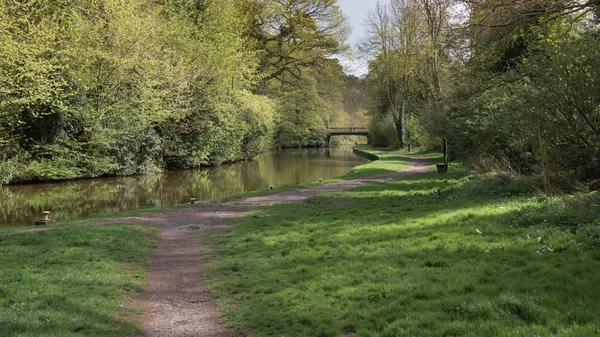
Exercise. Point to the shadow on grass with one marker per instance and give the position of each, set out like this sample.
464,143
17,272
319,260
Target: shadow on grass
430,255
71,282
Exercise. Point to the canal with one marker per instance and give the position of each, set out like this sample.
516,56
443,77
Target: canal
21,205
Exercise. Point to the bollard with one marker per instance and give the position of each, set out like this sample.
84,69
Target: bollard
45,220
192,200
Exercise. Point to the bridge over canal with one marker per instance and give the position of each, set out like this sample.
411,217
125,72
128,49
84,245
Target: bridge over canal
348,131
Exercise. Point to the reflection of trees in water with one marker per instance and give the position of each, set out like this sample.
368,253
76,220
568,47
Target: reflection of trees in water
23,204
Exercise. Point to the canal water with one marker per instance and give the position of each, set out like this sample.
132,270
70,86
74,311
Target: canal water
21,205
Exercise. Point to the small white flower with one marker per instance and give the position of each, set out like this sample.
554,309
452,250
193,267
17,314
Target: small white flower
478,231
539,239
486,251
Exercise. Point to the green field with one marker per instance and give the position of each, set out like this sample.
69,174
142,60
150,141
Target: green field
74,281
428,255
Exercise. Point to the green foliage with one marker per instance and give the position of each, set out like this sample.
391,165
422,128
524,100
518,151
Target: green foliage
553,86
134,152
383,131
258,118
302,115
117,87
8,169
33,71
515,68
294,35
419,133
490,127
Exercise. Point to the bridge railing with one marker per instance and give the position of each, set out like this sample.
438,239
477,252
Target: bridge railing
347,129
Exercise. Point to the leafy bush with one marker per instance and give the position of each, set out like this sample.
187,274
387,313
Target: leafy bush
52,169
8,170
136,151
383,131
302,118
257,113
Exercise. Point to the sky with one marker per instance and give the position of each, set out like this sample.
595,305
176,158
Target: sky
356,11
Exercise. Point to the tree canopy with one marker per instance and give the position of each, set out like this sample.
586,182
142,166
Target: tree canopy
116,87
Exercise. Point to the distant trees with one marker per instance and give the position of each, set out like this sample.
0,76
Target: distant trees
489,74
114,87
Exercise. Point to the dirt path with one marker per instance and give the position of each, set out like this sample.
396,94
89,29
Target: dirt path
177,303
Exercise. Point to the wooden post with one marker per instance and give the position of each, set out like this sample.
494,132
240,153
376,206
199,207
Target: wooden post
545,163
443,167
445,154
408,140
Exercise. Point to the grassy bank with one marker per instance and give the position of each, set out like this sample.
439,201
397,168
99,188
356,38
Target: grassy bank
388,162
102,217
73,281
429,255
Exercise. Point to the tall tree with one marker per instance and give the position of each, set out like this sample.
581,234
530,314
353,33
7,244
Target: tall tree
435,15
294,35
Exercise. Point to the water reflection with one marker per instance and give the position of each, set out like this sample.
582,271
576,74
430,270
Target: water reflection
23,204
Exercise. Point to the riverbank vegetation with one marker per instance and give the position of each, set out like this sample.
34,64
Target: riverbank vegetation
428,255
114,87
73,281
493,77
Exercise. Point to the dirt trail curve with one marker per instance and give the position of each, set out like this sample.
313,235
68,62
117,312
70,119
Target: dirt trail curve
177,303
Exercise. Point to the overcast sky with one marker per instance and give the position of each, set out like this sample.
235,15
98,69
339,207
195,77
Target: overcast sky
356,11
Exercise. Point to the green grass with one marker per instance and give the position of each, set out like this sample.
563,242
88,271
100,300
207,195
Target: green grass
73,281
388,162
429,255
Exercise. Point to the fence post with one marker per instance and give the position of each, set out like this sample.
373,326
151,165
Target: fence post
445,154
443,167
544,151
